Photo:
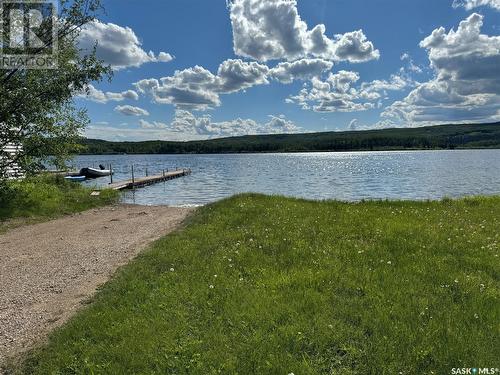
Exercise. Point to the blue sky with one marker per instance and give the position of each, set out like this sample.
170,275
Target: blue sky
385,67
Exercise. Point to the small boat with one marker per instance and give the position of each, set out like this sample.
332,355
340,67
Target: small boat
94,172
75,178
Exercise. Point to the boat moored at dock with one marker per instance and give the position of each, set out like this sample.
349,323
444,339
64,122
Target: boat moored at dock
94,172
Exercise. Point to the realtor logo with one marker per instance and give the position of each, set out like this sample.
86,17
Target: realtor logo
28,34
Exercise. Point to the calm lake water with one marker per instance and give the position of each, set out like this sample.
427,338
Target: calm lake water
348,176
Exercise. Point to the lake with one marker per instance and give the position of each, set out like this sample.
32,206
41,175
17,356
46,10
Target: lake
348,176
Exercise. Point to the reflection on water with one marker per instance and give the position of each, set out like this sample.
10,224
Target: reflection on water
346,176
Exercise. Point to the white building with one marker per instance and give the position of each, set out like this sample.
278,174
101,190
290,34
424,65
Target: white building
13,171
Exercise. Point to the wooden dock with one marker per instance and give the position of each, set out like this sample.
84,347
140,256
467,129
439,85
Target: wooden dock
150,180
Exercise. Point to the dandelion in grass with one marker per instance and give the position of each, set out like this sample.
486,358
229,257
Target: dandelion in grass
172,270
211,286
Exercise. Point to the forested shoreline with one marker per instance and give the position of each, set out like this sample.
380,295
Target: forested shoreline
430,137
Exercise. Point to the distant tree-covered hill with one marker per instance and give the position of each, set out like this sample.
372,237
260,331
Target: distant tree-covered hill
431,137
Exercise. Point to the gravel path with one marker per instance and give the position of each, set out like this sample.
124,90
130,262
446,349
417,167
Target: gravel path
47,270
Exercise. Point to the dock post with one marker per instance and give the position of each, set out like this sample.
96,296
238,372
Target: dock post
111,170
133,178
146,171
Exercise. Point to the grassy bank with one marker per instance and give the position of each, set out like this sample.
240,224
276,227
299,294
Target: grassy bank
267,285
44,197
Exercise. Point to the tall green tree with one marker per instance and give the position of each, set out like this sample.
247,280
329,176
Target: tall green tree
37,110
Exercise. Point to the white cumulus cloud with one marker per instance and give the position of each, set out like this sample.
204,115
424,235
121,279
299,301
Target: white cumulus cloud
117,46
273,30
99,96
129,110
197,88
237,75
152,125
471,4
340,92
186,123
287,72
466,87
193,88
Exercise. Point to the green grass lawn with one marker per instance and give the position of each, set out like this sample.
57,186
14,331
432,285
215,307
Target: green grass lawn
45,197
268,285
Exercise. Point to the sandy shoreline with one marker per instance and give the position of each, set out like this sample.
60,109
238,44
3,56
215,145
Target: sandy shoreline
47,270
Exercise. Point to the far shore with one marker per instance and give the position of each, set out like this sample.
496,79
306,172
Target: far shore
440,137
301,151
